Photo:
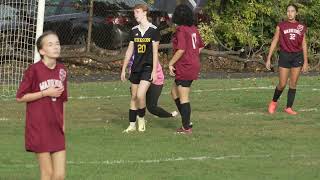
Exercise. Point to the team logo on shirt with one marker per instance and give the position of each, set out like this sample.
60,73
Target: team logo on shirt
300,27
62,74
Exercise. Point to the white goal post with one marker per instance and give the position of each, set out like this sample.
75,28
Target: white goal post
21,22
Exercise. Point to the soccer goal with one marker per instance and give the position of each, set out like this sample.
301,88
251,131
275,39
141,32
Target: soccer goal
21,22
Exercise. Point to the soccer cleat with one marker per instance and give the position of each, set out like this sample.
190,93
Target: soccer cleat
130,129
174,114
191,125
141,124
272,107
290,111
184,131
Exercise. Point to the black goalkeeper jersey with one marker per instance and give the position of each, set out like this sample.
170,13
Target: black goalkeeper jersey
143,51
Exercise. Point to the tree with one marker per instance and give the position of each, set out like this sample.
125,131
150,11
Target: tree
250,25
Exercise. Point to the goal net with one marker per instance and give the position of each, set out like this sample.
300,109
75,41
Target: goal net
21,23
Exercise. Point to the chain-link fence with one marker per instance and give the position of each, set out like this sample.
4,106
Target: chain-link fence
98,25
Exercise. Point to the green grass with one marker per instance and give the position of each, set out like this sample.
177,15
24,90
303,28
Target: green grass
234,138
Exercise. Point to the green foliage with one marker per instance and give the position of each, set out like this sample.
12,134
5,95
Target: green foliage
251,24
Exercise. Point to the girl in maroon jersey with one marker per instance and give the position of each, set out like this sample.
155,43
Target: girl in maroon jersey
293,57
44,89
185,64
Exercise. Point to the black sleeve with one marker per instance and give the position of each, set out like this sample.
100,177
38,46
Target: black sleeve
156,35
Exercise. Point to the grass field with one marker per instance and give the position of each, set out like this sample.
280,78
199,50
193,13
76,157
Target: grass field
233,136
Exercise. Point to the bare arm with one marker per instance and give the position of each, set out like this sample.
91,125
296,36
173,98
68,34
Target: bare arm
305,50
128,56
64,116
274,42
272,47
31,97
179,53
305,55
155,48
52,92
155,56
200,49
126,60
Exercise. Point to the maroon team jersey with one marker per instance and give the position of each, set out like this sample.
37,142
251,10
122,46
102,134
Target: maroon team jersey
188,66
291,36
44,117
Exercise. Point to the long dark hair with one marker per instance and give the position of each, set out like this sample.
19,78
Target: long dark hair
183,15
294,6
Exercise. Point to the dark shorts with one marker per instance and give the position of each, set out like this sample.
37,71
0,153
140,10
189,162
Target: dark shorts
290,59
136,77
183,83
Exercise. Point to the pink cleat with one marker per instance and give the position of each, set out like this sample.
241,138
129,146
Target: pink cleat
272,107
290,111
184,131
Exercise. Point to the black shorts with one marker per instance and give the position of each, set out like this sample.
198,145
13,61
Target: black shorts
183,83
136,77
290,59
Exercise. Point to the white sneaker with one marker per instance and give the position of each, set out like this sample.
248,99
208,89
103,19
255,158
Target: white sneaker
130,129
141,124
174,113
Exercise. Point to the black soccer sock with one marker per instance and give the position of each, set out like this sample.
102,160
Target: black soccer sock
178,104
158,111
142,112
277,94
132,115
291,96
185,114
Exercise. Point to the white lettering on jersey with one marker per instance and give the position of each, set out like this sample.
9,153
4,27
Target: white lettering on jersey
50,83
194,40
292,31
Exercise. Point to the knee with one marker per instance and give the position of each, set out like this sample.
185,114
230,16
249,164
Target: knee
281,86
293,84
174,94
134,97
151,108
47,173
140,97
58,176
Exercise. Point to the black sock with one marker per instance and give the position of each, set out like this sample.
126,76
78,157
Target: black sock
185,114
178,104
276,95
291,96
132,115
142,112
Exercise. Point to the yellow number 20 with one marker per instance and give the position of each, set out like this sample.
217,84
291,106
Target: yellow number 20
141,48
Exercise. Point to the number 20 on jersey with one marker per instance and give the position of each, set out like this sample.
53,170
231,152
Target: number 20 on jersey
141,48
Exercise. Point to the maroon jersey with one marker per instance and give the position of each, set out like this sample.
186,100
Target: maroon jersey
291,36
188,66
44,117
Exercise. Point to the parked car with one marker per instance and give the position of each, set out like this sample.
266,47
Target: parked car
112,21
14,19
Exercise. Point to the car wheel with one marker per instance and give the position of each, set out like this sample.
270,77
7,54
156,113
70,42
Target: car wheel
80,39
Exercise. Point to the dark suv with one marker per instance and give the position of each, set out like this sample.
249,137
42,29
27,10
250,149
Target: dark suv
112,21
